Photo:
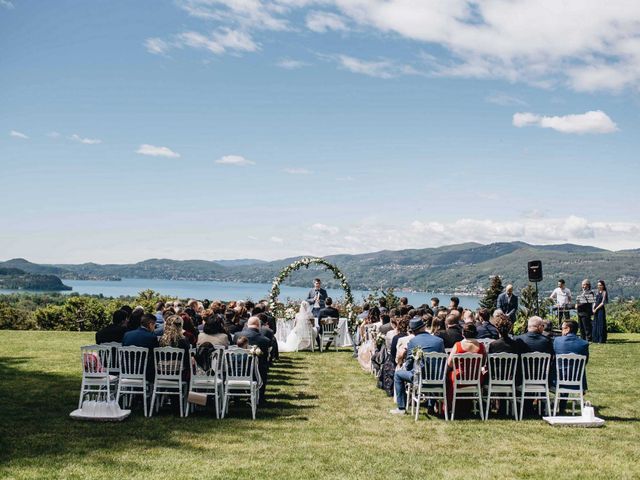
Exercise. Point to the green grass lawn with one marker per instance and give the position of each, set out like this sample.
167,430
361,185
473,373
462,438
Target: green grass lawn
325,419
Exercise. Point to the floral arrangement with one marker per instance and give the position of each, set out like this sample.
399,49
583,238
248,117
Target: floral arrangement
289,313
255,351
305,262
380,340
417,353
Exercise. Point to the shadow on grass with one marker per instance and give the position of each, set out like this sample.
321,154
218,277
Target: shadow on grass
35,406
616,341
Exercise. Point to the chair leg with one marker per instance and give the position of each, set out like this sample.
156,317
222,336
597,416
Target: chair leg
555,404
180,400
486,412
453,406
515,404
480,402
522,404
417,406
548,403
81,395
444,402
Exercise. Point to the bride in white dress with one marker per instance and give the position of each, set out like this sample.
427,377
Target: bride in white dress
303,333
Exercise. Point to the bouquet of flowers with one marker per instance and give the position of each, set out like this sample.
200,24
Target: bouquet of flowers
380,340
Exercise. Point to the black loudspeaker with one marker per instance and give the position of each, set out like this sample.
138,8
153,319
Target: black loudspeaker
535,270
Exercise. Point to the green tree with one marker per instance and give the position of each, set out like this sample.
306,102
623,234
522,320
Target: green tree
490,299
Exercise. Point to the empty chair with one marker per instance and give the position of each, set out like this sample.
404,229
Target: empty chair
168,378
133,370
328,332
430,381
570,379
208,380
466,381
535,379
502,380
95,372
242,378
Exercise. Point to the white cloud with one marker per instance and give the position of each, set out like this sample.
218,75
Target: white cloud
16,134
383,68
323,21
258,14
590,122
291,64
588,45
236,160
53,134
7,4
297,171
322,228
275,239
153,151
87,141
219,42
505,100
156,46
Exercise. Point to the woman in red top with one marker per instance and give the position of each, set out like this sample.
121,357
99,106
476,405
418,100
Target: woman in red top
468,344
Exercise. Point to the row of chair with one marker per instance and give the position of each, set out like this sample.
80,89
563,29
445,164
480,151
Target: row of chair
430,380
110,370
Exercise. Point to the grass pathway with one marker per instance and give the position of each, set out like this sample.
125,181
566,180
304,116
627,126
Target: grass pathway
325,419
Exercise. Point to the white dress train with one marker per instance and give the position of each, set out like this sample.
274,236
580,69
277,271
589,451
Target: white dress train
302,335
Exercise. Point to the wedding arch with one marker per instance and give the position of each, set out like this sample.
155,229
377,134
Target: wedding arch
305,262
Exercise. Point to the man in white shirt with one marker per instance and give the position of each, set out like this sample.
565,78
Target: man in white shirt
562,297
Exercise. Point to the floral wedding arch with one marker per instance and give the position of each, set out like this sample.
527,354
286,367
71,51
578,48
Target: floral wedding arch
305,262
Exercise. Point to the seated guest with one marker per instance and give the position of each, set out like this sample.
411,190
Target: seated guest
437,326
114,332
453,332
134,318
214,332
231,322
402,331
428,343
468,316
267,332
468,344
454,303
144,337
401,344
486,328
189,331
273,323
159,309
252,332
173,337
365,312
388,338
382,305
569,342
506,344
535,341
435,304
386,326
243,342
328,311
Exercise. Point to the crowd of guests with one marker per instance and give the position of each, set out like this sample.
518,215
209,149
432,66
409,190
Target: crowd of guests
199,325
388,337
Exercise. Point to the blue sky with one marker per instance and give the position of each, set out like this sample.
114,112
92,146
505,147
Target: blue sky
273,128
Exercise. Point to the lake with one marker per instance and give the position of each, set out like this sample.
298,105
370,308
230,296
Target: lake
230,290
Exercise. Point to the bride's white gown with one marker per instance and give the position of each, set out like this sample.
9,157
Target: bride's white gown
303,334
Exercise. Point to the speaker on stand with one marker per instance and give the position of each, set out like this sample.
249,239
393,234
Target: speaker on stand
534,268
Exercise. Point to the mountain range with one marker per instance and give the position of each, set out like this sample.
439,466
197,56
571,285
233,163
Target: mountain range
455,268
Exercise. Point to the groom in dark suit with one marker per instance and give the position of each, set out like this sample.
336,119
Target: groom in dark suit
317,297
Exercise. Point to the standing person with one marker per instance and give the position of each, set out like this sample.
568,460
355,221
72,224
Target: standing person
454,303
562,297
584,307
599,333
508,303
317,297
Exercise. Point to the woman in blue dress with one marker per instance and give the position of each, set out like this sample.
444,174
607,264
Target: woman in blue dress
599,333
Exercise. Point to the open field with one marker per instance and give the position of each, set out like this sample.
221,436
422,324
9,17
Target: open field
325,419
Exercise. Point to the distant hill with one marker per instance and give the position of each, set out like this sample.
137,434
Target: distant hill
453,268
16,279
243,262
